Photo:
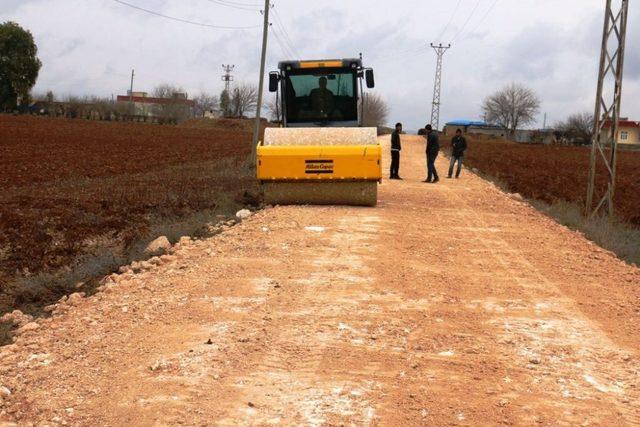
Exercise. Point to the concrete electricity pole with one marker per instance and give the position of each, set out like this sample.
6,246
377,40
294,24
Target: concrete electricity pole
362,100
607,111
265,36
227,78
131,104
435,108
133,73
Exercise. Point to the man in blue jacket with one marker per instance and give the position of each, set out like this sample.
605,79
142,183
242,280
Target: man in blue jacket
433,148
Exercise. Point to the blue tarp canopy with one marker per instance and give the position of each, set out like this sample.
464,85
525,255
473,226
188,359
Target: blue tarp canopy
467,123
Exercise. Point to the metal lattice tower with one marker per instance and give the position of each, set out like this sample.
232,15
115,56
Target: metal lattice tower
435,108
607,111
227,78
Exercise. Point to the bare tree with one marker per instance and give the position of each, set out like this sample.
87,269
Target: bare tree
577,128
244,99
175,110
204,102
273,108
375,110
166,91
101,108
513,106
73,107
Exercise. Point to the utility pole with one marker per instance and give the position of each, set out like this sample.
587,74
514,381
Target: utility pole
607,111
362,101
227,78
131,104
265,36
133,73
435,108
544,123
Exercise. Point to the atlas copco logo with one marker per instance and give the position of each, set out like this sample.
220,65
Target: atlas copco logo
318,166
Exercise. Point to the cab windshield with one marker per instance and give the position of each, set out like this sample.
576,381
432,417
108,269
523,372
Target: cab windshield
321,96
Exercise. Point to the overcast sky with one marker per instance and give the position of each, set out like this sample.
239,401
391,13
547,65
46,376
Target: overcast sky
90,47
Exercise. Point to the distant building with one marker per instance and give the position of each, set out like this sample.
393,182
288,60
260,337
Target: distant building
479,127
473,127
536,136
146,106
212,114
628,131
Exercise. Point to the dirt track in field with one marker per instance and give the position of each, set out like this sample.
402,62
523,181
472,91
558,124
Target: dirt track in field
449,304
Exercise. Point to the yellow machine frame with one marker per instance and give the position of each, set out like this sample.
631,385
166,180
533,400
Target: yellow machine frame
319,163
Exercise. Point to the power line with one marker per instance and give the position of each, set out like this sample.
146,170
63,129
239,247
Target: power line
184,21
486,14
285,34
238,3
446,27
234,5
284,47
402,53
466,22
285,51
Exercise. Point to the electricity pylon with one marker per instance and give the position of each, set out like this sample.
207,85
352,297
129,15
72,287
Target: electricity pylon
607,111
435,107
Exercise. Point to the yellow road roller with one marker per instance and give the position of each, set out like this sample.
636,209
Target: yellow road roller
322,154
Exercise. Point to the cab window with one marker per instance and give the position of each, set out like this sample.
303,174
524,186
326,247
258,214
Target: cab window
321,96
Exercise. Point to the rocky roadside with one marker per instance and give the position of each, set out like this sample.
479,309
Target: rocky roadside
27,328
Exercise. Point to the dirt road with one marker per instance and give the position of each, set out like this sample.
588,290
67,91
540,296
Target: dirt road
449,304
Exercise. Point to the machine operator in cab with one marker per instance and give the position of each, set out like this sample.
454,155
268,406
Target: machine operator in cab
322,99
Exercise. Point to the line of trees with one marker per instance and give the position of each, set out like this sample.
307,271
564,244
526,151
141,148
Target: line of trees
576,129
101,108
243,101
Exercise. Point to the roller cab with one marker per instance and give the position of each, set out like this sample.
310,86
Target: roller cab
321,155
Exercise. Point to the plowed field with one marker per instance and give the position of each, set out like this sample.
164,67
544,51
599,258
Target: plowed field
552,173
72,187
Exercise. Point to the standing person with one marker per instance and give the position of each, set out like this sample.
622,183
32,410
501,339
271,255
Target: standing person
458,145
396,147
433,148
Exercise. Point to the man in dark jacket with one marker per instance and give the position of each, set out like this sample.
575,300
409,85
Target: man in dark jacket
396,147
458,147
433,148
